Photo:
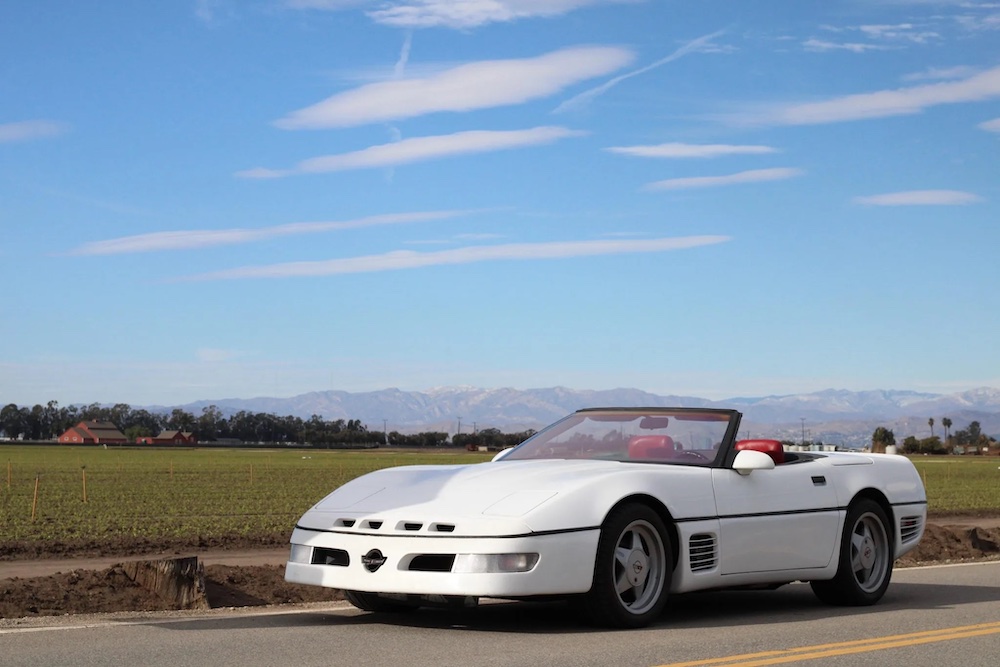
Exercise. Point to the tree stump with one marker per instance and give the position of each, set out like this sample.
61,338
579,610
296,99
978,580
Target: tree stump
180,581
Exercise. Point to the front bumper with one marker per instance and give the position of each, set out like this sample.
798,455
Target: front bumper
423,565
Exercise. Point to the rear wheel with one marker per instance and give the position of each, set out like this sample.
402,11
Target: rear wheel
865,565
632,574
372,602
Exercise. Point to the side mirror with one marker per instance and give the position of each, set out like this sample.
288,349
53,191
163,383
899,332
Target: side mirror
748,460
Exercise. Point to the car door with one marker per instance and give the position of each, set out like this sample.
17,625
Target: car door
785,518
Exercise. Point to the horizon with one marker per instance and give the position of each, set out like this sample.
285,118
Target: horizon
469,388
717,199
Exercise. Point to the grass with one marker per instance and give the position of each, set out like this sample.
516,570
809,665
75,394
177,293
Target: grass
156,493
153,493
960,484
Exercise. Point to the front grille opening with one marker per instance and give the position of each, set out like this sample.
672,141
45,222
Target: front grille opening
345,523
432,563
407,525
374,525
323,556
443,527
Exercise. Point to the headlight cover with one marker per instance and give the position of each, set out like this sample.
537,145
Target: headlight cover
494,563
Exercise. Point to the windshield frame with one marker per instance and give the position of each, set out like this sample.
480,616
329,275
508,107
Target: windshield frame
542,444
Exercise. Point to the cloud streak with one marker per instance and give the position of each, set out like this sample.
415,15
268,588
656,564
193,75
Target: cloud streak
465,14
479,85
990,125
408,259
420,149
587,96
751,176
680,151
29,130
921,198
195,239
901,101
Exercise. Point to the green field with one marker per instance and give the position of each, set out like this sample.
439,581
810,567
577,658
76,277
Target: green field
156,493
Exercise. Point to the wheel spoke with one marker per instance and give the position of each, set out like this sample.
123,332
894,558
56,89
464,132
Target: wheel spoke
622,583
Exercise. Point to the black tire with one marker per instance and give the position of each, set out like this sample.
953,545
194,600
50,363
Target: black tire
633,569
372,602
866,558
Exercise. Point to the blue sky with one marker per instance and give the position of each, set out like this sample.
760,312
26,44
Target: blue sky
220,198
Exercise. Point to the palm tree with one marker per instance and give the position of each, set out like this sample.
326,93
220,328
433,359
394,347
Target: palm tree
946,422
930,422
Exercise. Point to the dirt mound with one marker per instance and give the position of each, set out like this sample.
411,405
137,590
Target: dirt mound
110,590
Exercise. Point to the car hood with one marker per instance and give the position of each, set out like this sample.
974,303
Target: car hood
488,498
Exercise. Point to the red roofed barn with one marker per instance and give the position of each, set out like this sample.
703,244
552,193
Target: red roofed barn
93,433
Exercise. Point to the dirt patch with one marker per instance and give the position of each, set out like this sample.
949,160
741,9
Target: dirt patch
80,591
111,590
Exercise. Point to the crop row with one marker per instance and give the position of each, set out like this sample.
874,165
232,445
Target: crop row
65,493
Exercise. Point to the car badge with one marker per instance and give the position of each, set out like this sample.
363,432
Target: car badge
373,560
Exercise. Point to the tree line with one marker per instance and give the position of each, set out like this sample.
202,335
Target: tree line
49,421
967,439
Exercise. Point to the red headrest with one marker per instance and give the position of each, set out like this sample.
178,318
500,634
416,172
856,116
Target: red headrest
650,447
772,448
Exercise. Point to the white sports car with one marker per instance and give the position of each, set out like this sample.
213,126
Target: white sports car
616,508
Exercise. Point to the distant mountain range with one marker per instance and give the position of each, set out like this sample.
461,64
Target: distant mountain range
831,416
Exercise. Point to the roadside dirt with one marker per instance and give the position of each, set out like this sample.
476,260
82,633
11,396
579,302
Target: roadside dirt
86,577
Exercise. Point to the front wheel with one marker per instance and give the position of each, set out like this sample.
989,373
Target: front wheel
865,565
632,574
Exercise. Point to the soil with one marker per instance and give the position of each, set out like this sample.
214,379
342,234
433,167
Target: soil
79,581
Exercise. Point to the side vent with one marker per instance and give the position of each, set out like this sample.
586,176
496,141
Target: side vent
909,528
410,526
703,551
443,527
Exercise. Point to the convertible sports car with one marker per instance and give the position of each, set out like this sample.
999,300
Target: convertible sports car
616,508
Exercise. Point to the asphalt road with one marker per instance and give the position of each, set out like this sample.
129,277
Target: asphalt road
945,615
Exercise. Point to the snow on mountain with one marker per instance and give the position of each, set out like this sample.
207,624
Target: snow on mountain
831,415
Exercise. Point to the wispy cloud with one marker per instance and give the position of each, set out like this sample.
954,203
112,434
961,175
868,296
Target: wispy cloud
700,44
820,45
990,125
907,32
329,5
941,73
920,198
751,176
678,150
455,14
465,14
29,130
478,85
193,239
421,149
409,259
404,57
884,103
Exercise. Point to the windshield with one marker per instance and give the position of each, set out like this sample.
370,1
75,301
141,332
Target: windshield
660,435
